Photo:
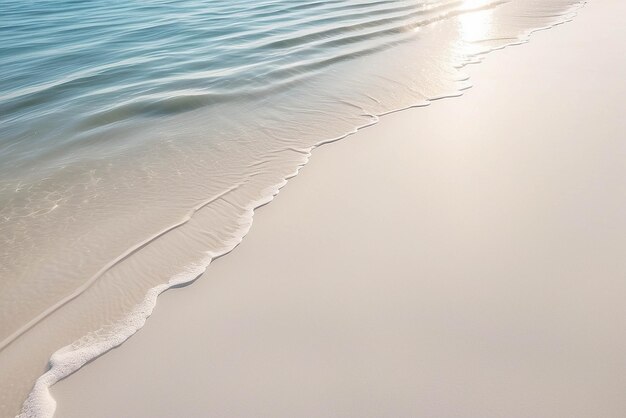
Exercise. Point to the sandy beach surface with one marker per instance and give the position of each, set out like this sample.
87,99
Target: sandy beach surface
467,259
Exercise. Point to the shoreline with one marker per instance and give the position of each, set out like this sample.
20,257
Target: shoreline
275,219
70,358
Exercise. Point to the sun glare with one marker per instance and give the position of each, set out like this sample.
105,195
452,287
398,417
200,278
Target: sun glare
475,23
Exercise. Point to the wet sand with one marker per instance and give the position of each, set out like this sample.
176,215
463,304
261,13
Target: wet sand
420,267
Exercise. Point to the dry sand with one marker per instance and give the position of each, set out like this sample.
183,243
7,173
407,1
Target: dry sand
462,260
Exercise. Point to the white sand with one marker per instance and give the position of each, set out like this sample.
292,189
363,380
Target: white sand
463,260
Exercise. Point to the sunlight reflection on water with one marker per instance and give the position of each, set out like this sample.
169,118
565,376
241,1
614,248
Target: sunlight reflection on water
475,25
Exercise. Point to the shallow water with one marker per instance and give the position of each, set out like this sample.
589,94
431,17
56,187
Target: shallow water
136,138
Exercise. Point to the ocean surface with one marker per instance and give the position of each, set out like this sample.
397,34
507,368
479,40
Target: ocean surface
137,137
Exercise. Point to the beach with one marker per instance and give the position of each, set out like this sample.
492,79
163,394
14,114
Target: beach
464,259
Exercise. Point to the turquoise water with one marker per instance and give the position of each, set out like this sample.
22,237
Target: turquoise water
75,67
137,137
